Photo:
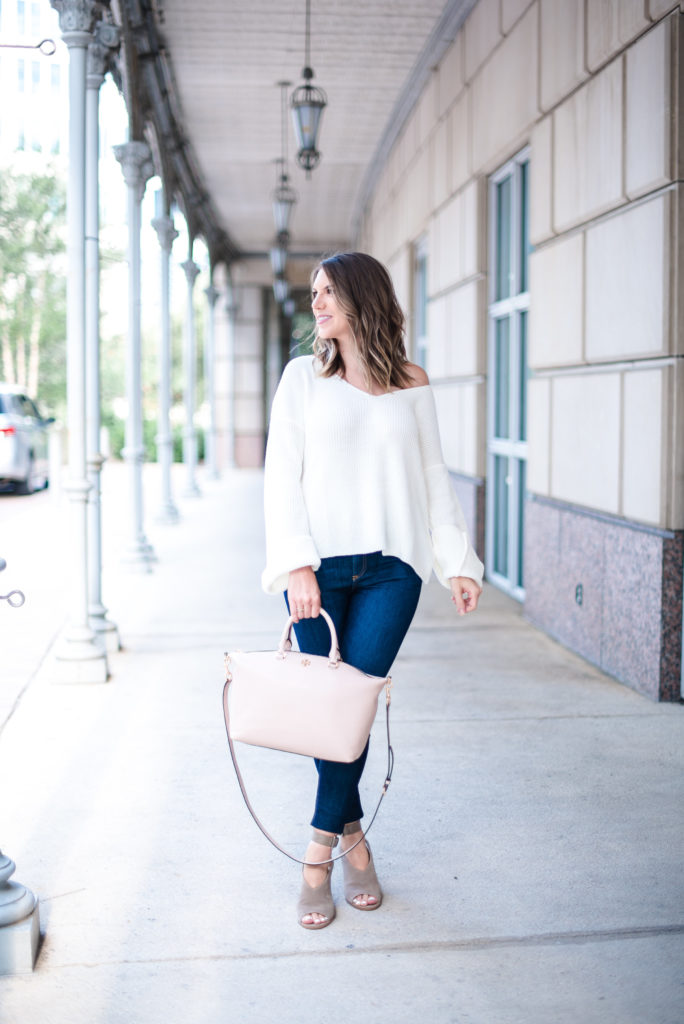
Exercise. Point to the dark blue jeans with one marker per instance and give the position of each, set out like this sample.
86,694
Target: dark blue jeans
371,599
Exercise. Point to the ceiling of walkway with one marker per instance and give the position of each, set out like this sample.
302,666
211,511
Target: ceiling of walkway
227,58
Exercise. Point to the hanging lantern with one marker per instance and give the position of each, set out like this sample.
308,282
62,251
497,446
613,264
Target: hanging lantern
307,103
281,288
278,253
284,198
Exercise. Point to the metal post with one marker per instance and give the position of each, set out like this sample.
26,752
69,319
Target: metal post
136,163
166,233
190,434
209,384
106,39
79,656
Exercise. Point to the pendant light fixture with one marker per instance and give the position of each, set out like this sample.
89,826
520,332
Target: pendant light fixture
284,196
279,253
281,288
308,103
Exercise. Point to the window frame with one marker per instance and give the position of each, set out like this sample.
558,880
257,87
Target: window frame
514,308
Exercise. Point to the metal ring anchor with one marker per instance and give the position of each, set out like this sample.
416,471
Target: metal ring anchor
46,46
15,598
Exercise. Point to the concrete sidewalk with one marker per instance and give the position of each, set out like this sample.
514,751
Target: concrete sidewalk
530,846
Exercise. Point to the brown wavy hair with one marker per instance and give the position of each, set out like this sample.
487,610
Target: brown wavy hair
365,294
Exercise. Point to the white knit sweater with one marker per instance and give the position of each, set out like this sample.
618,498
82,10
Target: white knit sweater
348,473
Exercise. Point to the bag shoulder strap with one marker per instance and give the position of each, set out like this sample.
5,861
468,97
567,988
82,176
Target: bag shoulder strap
385,785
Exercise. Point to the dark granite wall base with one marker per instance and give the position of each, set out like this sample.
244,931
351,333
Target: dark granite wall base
608,589
471,494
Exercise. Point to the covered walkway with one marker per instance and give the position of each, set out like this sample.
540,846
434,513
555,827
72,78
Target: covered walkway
530,845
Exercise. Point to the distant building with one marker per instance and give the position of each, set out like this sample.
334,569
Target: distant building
36,121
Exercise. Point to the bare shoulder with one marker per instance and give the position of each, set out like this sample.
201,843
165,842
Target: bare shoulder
419,377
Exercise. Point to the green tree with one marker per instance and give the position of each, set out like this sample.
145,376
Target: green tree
33,285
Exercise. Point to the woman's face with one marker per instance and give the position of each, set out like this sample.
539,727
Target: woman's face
330,320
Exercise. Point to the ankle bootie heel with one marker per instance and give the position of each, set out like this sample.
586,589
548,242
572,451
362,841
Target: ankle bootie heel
360,881
317,899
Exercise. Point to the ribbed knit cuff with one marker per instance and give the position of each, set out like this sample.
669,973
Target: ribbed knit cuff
454,555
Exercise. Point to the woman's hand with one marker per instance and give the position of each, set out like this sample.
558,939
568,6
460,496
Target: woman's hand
303,594
465,593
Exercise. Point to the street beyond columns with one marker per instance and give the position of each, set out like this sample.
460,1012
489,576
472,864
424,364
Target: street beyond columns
529,846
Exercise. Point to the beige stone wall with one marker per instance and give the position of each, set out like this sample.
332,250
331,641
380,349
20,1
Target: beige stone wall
223,366
593,87
248,374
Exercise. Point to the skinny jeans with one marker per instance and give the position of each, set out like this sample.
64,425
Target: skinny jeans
372,599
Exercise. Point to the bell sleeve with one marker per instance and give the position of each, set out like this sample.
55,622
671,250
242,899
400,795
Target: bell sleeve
453,553
289,544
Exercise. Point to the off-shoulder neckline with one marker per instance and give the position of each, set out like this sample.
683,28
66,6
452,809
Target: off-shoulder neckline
385,394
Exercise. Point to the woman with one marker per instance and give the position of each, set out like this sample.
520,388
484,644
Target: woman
359,509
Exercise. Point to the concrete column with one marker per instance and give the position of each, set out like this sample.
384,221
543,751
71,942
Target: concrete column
19,918
166,233
19,923
224,317
231,314
249,376
190,434
136,164
106,38
79,656
210,460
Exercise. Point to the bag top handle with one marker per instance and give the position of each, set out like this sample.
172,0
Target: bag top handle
286,641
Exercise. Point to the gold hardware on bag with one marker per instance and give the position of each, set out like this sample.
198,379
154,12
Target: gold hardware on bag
388,690
306,661
226,662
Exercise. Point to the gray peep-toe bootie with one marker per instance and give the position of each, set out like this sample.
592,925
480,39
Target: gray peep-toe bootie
317,899
360,881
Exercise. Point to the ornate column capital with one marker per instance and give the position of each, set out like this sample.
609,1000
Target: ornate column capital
166,232
212,295
105,41
136,163
76,18
191,271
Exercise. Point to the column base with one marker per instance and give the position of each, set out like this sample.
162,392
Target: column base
192,491
19,943
139,555
150,553
137,561
107,633
79,661
168,514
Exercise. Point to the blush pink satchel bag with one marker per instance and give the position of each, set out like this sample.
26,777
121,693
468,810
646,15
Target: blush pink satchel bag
303,704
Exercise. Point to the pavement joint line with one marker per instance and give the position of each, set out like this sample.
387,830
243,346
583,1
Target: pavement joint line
445,946
479,627
32,678
520,718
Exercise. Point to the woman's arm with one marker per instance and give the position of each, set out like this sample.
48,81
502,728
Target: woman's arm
289,543
455,557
